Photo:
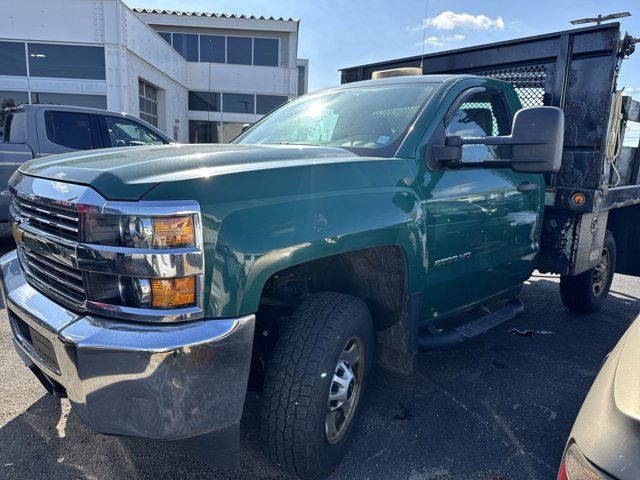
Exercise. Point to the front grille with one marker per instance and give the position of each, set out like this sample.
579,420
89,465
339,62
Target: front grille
52,277
53,219
42,346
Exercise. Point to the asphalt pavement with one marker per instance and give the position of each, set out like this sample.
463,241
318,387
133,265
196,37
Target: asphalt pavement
497,408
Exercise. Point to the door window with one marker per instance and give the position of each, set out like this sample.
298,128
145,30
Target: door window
483,114
69,129
127,133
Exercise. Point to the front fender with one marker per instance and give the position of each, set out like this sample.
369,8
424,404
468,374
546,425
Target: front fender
258,223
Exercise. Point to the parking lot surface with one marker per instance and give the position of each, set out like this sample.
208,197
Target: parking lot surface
498,408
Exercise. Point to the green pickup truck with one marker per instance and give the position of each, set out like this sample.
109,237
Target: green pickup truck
152,285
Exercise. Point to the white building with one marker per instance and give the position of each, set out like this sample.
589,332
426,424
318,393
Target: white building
197,76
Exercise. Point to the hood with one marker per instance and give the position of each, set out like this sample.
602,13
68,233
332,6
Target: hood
128,173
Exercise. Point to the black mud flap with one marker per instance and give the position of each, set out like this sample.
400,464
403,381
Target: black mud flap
398,344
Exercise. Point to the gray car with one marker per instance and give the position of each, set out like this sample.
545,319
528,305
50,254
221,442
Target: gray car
34,131
605,439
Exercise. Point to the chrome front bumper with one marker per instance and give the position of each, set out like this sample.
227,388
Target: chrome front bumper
159,381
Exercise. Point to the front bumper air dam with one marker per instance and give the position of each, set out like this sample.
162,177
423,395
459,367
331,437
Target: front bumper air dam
182,382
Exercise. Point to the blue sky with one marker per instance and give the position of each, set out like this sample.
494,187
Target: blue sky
342,33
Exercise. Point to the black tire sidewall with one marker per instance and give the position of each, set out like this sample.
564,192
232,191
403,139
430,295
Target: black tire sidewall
298,379
610,246
359,326
577,292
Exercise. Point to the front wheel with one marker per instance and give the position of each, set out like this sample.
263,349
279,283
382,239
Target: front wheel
587,292
315,383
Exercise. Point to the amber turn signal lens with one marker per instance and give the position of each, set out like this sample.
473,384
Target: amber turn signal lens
173,232
578,199
173,292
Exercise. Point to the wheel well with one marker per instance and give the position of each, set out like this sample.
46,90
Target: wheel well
378,276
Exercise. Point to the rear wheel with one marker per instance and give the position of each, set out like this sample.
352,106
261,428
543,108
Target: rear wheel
587,292
315,383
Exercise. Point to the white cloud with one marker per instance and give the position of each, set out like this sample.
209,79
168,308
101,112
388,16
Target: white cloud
442,40
449,20
433,41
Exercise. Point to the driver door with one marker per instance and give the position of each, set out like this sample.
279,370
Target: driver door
483,225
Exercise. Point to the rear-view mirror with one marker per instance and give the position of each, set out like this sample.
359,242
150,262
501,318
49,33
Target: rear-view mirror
536,141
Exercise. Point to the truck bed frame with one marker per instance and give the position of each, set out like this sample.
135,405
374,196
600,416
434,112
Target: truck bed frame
575,70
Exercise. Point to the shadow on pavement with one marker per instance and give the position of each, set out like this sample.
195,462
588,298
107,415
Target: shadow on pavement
49,441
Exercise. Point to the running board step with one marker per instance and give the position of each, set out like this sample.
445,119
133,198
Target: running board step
512,308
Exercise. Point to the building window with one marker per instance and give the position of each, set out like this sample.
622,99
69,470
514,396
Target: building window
66,61
225,49
234,102
204,101
265,51
268,103
239,50
302,73
231,130
69,129
148,102
77,100
238,103
12,99
186,44
204,132
12,59
166,36
212,48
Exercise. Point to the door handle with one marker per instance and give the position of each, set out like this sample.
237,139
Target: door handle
527,187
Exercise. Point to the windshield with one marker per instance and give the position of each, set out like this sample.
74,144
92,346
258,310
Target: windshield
370,120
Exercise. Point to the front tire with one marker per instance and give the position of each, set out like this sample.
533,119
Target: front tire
587,292
315,382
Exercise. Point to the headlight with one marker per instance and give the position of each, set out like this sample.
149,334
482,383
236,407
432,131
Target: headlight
139,231
145,260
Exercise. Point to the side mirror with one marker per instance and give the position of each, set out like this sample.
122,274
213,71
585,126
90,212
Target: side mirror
537,137
536,143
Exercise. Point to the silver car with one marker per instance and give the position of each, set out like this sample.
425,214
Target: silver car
605,439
